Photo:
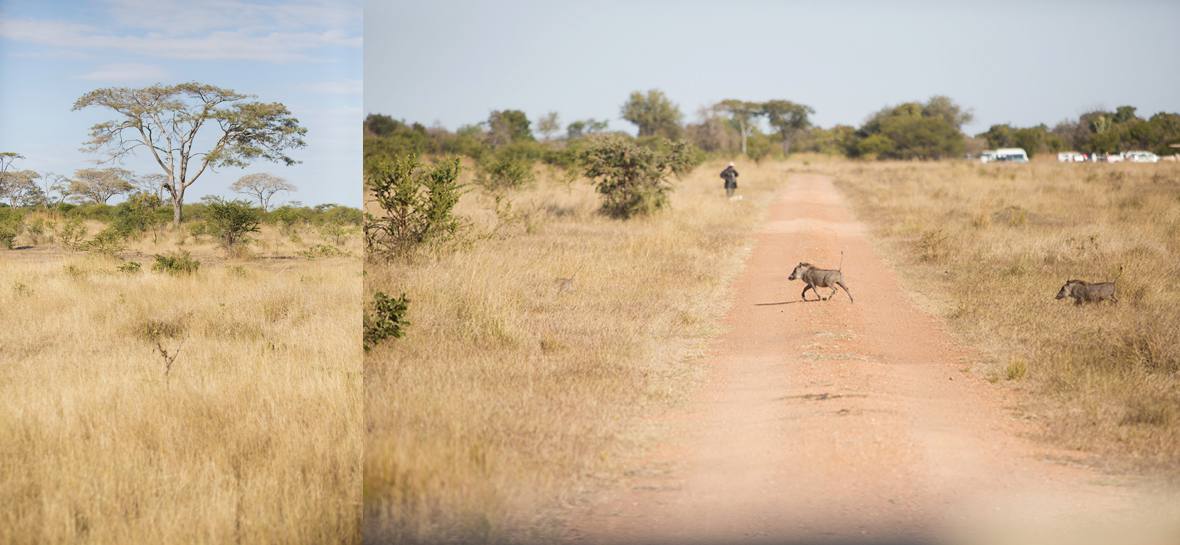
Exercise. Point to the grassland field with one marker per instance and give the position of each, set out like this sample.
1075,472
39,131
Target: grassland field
253,436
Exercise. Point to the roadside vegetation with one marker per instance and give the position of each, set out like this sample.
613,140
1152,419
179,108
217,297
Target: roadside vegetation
531,344
989,246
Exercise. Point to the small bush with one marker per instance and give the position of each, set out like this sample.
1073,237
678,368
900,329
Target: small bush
386,320
231,221
11,225
36,230
177,263
504,170
417,204
631,178
72,234
335,232
322,250
130,267
108,242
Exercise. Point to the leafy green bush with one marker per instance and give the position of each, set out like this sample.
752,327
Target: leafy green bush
11,225
72,234
107,242
129,267
231,221
176,263
633,179
504,170
417,205
141,212
387,319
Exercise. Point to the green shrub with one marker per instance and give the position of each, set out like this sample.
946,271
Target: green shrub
72,234
130,267
37,228
322,250
504,170
176,263
417,205
231,221
107,242
386,320
334,232
11,225
633,178
141,212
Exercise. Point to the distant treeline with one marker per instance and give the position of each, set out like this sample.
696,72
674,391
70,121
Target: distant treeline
731,127
196,212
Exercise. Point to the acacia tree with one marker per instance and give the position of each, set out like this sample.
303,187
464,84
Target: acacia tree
788,118
549,125
18,186
55,188
167,120
743,114
653,113
262,186
100,184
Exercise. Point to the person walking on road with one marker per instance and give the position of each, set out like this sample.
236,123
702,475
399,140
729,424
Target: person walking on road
730,175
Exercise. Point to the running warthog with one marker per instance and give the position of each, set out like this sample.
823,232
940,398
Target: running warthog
1086,292
815,277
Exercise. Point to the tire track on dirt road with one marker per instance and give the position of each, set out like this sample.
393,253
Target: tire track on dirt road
838,420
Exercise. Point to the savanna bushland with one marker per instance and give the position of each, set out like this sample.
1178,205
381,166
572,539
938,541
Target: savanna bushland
175,371
535,295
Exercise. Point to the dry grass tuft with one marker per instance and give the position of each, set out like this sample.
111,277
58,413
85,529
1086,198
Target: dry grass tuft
253,436
994,243
532,346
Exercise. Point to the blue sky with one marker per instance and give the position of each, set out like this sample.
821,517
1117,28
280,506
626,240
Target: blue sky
306,54
452,62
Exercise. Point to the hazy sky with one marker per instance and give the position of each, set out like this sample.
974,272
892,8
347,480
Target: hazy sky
305,54
453,61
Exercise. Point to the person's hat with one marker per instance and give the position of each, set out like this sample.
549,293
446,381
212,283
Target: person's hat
731,163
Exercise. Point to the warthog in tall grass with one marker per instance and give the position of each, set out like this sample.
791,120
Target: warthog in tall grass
1089,292
1086,292
823,278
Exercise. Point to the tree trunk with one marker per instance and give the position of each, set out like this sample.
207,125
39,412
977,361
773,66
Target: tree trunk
177,209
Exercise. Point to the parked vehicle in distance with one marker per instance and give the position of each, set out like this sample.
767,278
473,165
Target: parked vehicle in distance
1005,155
1115,157
987,156
1142,157
1071,157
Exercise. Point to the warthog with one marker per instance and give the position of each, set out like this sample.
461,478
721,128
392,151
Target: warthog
815,277
1086,292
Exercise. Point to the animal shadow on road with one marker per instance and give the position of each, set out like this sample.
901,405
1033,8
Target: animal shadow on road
786,303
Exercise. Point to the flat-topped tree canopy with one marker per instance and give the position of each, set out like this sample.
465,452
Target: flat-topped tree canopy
173,123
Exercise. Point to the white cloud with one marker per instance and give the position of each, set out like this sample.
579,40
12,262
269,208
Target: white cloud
215,30
187,16
339,87
128,72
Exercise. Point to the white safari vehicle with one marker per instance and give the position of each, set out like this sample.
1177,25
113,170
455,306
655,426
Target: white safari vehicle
1004,155
1142,157
1071,157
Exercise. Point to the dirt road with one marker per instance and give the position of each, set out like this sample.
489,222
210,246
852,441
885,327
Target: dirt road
841,420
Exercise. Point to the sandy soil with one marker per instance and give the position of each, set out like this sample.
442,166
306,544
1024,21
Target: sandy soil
849,421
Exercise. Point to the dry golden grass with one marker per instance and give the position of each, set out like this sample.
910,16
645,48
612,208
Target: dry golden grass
512,390
989,247
254,436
